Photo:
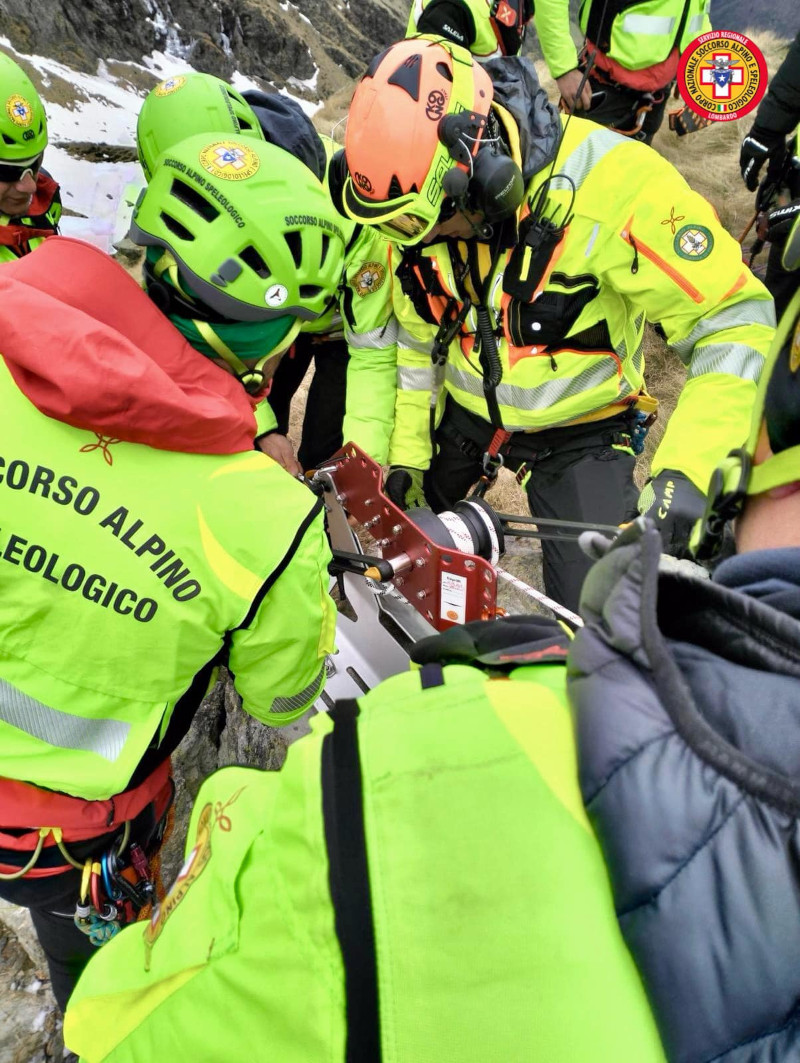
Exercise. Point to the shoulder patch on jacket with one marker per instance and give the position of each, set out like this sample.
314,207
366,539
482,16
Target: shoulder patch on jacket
693,242
370,278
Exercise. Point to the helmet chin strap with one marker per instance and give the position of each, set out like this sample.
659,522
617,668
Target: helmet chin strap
251,377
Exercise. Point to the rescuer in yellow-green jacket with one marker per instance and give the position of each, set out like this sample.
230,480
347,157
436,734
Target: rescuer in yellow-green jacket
534,252
354,342
488,28
144,542
632,50
419,883
30,202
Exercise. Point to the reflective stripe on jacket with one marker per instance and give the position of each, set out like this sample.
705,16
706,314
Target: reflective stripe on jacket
418,884
642,246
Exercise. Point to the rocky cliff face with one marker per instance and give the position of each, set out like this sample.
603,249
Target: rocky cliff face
275,41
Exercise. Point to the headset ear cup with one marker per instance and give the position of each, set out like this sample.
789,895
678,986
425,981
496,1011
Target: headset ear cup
159,293
497,187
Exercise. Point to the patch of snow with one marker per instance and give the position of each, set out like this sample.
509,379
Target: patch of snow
39,1020
310,108
34,986
288,5
307,83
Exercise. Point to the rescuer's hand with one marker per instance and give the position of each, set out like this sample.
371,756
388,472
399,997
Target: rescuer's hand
404,487
279,448
568,85
780,221
674,504
756,147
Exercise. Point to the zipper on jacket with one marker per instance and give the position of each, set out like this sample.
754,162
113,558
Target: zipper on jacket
660,264
348,873
635,263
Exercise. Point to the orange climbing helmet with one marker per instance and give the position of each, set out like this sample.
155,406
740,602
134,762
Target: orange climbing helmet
418,112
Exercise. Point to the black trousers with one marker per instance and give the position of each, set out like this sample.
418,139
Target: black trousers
52,905
576,473
615,106
325,406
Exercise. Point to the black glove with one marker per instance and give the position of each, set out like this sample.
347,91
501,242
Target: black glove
781,220
673,502
757,146
404,487
504,643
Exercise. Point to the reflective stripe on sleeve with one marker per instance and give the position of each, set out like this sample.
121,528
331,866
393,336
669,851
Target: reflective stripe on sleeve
376,338
748,312
414,379
736,359
299,701
696,23
585,157
105,737
407,342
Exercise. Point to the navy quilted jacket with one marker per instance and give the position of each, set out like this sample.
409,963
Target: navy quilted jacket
686,696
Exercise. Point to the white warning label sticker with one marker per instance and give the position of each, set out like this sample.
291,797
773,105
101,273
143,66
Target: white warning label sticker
454,598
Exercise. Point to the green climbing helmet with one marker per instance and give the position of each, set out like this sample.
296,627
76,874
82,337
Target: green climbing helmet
254,233
187,104
23,124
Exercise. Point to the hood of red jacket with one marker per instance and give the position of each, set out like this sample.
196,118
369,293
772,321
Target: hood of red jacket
85,344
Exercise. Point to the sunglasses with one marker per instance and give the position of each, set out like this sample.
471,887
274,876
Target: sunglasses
12,173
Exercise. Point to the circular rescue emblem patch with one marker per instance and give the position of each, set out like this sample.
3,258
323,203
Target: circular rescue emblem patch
693,242
19,110
164,88
229,159
369,278
276,295
794,351
722,75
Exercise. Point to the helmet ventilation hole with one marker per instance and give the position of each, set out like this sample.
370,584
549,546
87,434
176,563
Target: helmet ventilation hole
175,227
191,198
326,243
253,259
309,291
295,244
442,68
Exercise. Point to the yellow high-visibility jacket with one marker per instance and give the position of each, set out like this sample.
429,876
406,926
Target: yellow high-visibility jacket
641,246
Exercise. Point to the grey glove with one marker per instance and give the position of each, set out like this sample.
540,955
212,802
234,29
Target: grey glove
673,502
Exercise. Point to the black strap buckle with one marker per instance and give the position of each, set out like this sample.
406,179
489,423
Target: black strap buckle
723,505
452,320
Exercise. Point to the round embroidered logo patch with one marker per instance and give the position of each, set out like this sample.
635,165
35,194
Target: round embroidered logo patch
369,278
276,295
19,110
230,160
722,75
166,88
694,242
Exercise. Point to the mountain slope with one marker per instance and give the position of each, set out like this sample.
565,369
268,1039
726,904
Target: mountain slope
275,41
